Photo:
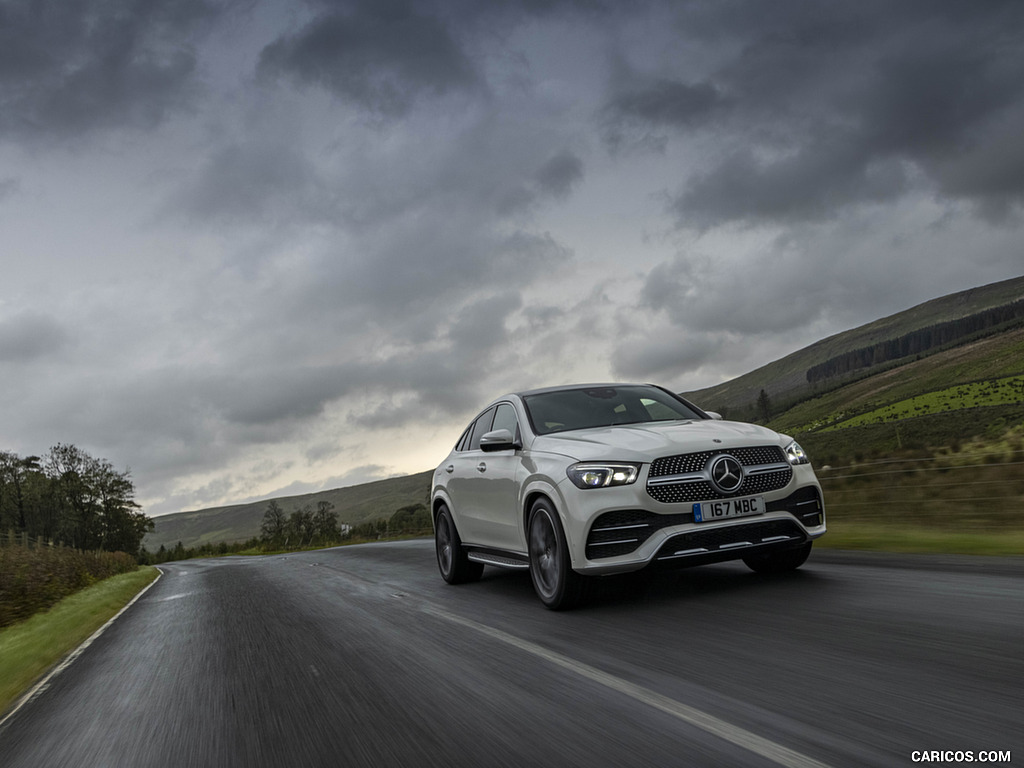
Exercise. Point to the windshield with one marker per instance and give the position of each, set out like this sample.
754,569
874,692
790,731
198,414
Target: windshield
603,407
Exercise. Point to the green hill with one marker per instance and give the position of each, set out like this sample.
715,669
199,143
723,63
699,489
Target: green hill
240,522
975,390
786,380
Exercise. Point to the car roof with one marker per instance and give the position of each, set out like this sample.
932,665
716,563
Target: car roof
570,387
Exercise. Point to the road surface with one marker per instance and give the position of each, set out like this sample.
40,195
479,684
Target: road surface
362,656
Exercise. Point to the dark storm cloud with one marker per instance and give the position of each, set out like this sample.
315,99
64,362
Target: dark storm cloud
446,379
705,296
425,268
640,110
30,336
813,184
662,359
560,174
379,55
71,66
255,181
9,187
824,106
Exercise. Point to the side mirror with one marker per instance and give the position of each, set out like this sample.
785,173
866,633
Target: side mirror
498,440
714,415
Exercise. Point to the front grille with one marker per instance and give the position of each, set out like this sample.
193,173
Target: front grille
702,543
623,531
766,470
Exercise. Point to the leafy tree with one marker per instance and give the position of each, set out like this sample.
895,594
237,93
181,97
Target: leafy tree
93,503
410,519
300,526
21,480
325,523
274,525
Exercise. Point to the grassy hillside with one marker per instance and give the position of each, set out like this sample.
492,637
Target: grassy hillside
353,505
785,380
926,456
940,400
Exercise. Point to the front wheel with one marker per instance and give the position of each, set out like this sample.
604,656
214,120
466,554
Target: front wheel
779,561
557,585
455,566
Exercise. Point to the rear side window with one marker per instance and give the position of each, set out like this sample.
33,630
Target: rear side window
480,427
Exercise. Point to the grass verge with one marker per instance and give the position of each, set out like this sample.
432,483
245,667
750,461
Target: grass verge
882,537
30,648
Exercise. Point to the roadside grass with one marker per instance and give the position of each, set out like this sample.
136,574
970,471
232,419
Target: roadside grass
888,537
29,649
403,536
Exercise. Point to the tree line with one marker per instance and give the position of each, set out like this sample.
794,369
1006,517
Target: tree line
305,528
312,527
68,497
919,341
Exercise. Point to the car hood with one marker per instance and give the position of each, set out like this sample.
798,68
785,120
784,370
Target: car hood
645,442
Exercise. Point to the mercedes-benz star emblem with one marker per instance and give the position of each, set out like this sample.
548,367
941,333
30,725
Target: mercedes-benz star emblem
726,473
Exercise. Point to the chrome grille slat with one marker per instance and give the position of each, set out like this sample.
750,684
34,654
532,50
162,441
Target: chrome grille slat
682,479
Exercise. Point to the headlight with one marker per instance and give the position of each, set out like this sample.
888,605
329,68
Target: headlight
602,475
796,454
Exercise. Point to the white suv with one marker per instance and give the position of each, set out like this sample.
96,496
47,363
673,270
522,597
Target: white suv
594,479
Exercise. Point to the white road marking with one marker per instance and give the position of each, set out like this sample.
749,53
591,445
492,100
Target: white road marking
708,723
43,684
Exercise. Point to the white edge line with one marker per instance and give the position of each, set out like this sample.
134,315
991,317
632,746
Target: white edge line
43,684
695,717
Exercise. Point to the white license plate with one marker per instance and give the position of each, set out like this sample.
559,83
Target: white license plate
719,510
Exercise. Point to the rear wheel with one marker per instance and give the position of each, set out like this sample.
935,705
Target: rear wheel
779,561
455,566
557,585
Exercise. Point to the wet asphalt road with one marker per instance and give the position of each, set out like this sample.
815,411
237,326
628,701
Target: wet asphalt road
362,656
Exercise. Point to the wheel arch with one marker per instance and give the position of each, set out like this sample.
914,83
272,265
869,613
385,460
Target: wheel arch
540,489
440,499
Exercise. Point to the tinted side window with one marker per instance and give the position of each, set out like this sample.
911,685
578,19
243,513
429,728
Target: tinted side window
505,418
480,428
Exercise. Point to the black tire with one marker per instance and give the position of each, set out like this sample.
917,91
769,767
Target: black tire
455,566
779,561
557,585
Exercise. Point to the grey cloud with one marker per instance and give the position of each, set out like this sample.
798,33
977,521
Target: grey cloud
273,397
560,174
481,325
814,183
9,187
255,181
822,107
701,295
70,66
416,268
446,377
639,112
663,358
30,336
379,55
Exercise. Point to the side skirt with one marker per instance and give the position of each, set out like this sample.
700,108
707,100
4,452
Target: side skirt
498,558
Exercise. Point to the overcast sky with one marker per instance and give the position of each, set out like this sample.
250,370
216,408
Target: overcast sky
267,247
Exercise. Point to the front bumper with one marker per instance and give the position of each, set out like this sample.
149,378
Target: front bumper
630,531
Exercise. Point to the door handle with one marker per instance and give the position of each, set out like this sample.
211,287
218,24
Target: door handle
481,467
450,468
